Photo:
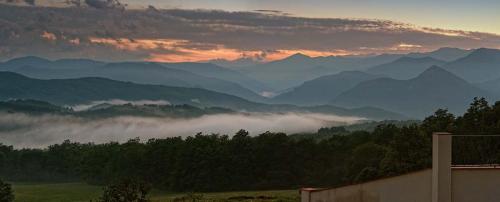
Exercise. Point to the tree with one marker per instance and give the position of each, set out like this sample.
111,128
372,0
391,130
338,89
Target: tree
6,194
409,150
365,159
368,173
440,121
128,190
480,119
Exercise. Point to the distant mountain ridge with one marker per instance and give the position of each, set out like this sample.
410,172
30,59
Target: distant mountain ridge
36,107
482,63
85,90
323,89
218,72
307,81
447,54
492,86
139,72
434,88
479,66
298,68
405,67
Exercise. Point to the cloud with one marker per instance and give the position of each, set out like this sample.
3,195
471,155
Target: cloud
75,41
97,4
272,12
76,3
83,107
19,2
30,2
176,35
267,94
49,36
23,130
104,4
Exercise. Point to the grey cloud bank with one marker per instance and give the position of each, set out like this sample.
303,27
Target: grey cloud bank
68,32
21,130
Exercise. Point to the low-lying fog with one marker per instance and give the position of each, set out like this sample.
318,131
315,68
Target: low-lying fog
83,107
22,130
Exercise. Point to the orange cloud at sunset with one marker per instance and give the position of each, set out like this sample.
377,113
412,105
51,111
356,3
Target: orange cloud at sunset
48,36
233,54
133,44
173,50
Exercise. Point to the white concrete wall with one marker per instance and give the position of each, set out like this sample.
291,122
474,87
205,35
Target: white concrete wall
468,185
475,185
441,167
413,187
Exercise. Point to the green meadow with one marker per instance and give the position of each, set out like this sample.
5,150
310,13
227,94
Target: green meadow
80,192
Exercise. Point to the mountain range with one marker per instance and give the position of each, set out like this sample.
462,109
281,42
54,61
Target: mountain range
218,72
106,110
405,67
323,89
402,83
179,75
447,54
480,65
434,88
86,90
298,68
330,87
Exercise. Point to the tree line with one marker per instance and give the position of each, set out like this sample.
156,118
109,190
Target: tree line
266,161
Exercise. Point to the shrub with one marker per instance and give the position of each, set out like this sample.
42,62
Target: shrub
6,194
127,190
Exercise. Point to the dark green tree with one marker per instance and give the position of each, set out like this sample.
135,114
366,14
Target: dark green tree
6,194
366,156
127,190
440,121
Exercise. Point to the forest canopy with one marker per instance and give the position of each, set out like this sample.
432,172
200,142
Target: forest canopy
331,157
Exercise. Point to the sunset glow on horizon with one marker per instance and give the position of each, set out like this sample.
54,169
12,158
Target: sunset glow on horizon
199,31
185,54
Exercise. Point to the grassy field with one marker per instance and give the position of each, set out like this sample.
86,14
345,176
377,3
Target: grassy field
74,192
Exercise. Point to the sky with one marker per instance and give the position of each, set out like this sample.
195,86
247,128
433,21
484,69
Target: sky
178,31
469,15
